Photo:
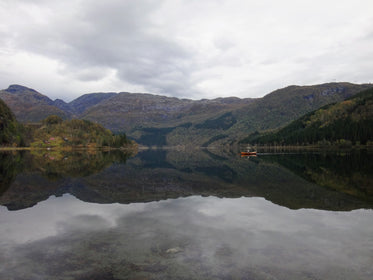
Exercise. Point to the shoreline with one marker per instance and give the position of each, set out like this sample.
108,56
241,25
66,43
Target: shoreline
183,148
69,149
311,148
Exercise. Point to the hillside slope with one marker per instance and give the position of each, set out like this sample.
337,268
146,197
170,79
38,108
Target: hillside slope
140,114
79,105
29,105
57,133
273,111
10,130
349,121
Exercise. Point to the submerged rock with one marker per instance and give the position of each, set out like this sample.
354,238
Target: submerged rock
174,250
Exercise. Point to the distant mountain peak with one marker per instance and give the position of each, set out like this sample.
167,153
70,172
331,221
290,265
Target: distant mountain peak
58,100
18,88
29,105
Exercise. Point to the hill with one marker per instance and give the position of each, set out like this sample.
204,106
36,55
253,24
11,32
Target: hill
79,105
344,123
273,111
29,105
159,120
11,132
74,133
151,118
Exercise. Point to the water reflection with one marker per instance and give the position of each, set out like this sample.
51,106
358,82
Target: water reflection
344,172
331,182
188,238
177,215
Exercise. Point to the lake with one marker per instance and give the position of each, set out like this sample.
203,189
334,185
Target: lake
203,214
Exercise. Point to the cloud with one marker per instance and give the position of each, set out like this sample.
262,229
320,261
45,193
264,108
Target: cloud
184,48
112,34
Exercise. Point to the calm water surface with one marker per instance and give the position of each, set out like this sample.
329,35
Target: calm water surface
173,215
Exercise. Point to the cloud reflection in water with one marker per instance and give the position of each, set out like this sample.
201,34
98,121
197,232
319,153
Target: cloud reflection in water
195,238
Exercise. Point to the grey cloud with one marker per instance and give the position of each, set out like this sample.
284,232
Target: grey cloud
91,74
180,48
369,36
118,35
83,222
223,43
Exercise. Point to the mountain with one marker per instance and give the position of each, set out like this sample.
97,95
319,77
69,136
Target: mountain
273,111
149,118
159,120
11,132
287,104
344,123
29,105
82,103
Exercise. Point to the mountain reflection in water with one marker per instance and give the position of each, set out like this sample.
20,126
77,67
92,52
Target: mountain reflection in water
208,215
321,181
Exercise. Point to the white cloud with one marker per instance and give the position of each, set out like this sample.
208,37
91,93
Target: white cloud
183,48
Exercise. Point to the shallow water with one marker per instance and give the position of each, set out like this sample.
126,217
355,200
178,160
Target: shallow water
166,215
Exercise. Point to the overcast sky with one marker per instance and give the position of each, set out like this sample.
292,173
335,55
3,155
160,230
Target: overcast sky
184,48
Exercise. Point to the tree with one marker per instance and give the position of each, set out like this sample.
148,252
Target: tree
52,119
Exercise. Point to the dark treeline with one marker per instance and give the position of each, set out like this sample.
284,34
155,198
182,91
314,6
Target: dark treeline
11,132
346,123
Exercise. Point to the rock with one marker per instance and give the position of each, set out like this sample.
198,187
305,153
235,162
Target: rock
174,250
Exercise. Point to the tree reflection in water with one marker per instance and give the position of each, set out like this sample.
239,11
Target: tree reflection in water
305,180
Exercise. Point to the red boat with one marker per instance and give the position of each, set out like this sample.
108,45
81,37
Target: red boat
248,153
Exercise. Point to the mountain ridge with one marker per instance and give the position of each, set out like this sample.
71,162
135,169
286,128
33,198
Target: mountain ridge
160,120
343,123
28,105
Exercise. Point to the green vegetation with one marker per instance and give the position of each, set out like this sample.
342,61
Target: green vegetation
270,112
11,132
56,132
223,122
346,123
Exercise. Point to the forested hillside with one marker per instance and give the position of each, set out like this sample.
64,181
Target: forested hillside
272,111
11,132
56,132
344,123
